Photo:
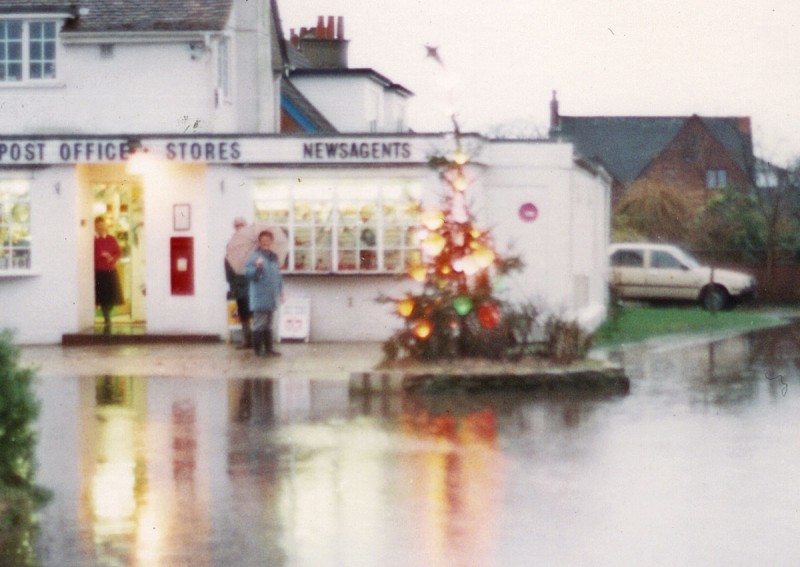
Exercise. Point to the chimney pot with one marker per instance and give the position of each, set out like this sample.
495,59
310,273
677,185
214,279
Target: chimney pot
329,30
340,32
320,27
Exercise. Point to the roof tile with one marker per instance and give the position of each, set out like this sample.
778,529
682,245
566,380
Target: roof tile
132,15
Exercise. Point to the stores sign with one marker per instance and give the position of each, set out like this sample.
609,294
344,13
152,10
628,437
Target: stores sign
221,149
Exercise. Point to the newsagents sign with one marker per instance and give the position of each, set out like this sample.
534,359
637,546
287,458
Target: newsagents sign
221,149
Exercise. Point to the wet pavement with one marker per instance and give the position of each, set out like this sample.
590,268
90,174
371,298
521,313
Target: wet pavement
205,456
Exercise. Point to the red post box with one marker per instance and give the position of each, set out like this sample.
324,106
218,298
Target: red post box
181,269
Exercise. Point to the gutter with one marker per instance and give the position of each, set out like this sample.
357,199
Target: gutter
92,38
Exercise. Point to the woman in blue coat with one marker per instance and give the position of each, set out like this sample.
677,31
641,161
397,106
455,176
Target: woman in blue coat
263,271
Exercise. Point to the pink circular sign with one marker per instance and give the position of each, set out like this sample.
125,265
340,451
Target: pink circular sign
528,212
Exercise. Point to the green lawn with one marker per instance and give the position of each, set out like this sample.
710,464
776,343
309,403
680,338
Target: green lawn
640,323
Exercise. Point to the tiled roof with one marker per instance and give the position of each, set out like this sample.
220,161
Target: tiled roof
132,15
302,111
350,72
625,145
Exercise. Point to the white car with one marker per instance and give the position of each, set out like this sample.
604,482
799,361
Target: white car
641,270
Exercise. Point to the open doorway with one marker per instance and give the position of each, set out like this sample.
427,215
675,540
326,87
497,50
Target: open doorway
120,202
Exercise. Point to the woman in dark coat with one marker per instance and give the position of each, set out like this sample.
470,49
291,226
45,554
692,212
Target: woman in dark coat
107,290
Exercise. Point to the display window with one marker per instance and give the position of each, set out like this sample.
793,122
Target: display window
15,225
345,225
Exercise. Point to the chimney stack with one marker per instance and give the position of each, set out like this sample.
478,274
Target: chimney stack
555,117
325,46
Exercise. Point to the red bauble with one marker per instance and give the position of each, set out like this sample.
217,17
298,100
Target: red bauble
489,315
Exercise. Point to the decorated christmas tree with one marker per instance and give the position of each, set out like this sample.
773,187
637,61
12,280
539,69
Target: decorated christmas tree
456,314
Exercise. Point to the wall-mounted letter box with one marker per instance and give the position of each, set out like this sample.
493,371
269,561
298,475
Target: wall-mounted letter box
181,267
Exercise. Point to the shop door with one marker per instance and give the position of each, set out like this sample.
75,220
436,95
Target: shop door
121,203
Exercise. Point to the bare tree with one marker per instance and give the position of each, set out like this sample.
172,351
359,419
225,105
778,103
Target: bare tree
654,211
777,196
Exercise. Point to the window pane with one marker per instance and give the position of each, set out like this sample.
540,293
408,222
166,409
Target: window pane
42,50
347,260
15,71
629,258
15,237
322,260
665,260
341,224
14,30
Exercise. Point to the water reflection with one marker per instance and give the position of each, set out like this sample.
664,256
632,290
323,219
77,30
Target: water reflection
158,471
113,462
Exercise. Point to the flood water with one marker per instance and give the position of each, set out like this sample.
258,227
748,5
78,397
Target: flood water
698,465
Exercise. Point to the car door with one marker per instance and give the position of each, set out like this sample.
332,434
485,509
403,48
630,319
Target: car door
668,278
628,276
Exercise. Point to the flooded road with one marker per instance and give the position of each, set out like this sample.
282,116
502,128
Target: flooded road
696,466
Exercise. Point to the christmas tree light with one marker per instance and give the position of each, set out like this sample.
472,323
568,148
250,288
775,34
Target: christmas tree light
457,272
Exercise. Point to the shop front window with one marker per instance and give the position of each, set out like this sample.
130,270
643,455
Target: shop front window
15,226
343,226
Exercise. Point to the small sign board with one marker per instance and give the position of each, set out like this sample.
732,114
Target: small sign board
528,212
294,319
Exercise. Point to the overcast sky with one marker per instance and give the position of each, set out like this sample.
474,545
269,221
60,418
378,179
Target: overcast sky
619,57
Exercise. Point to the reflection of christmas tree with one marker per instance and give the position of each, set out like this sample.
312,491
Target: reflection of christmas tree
456,314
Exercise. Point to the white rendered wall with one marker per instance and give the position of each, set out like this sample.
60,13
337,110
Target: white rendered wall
152,86
165,186
40,306
350,103
394,113
567,240
565,243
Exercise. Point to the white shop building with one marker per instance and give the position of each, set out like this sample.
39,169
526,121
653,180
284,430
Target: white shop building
171,124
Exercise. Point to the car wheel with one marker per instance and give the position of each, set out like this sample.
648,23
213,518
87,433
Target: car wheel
715,298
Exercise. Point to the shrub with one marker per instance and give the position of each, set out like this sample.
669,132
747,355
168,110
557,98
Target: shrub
19,496
566,341
18,410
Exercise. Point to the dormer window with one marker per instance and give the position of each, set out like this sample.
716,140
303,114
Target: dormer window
27,50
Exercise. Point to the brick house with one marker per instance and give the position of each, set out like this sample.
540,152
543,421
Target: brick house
695,154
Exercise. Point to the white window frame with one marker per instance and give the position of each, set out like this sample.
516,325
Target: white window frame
390,248
25,56
15,223
716,178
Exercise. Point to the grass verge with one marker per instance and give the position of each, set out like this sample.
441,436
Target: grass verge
640,323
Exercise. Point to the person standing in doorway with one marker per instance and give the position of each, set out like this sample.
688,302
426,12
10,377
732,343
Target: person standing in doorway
266,291
107,289
239,288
